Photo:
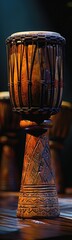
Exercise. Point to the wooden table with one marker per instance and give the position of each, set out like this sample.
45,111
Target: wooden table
12,227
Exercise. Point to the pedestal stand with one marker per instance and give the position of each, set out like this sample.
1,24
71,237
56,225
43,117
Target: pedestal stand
38,195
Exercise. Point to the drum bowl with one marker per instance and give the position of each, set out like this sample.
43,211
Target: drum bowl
35,73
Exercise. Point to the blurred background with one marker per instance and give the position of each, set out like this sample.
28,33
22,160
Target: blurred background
27,15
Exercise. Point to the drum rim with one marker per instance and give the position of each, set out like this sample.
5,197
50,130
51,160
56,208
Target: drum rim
4,95
48,35
67,104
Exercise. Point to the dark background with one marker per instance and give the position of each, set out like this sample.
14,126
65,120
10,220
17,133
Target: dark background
25,15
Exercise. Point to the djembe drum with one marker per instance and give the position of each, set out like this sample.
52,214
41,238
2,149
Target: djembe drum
58,133
35,73
9,142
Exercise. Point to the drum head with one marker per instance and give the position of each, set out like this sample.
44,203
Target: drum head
48,35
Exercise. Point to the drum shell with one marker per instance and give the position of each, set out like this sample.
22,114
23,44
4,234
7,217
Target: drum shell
12,141
61,122
35,76
9,120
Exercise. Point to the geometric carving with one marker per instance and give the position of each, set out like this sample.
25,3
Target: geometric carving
38,196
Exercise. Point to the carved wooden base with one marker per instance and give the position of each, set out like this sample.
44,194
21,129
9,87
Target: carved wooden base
56,150
38,201
38,196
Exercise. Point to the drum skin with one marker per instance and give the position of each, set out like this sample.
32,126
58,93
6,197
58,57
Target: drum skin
35,66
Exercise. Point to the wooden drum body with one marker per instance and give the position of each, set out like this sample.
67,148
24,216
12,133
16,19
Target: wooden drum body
9,133
61,123
35,73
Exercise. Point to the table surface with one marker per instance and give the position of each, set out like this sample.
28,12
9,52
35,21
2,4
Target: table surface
12,227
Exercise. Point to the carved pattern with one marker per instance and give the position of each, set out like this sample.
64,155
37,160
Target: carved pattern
38,196
38,202
37,167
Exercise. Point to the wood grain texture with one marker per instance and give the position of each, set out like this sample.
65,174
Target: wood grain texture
12,227
38,195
